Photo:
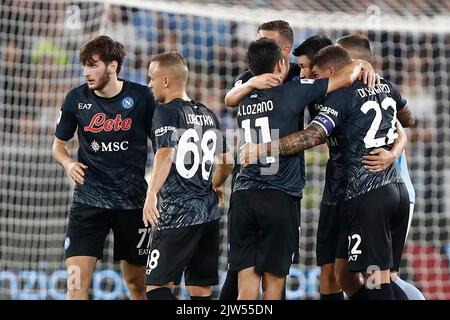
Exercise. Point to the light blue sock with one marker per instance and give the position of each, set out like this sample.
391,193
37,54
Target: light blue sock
412,292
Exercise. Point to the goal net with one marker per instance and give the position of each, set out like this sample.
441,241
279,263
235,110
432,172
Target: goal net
39,64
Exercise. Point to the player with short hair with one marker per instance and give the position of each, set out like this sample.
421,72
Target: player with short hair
376,202
327,232
281,32
191,164
113,118
264,215
305,53
333,197
358,46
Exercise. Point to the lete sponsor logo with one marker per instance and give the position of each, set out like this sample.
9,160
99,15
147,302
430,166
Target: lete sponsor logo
99,123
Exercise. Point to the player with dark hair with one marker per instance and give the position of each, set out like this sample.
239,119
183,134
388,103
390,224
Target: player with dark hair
264,216
246,82
281,32
305,53
358,46
376,202
327,232
333,197
113,118
191,164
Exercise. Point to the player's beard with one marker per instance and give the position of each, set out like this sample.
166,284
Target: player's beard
102,82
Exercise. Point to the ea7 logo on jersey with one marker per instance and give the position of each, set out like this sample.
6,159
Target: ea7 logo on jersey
82,106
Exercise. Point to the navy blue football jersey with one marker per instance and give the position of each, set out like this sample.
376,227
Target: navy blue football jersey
264,111
187,197
112,133
293,75
335,178
364,118
392,91
335,182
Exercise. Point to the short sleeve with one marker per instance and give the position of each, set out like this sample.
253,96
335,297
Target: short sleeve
332,112
67,121
306,91
395,94
165,127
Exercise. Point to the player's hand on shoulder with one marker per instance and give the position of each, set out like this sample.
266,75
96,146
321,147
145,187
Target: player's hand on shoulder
265,81
379,160
150,213
368,74
75,171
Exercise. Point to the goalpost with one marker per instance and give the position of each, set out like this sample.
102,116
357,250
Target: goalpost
39,43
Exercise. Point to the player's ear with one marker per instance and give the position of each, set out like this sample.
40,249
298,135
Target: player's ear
113,66
286,50
280,66
331,69
166,82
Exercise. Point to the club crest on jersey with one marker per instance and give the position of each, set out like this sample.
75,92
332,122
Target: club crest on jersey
238,83
127,103
66,243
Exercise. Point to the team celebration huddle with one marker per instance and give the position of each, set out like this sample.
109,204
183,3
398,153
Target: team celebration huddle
168,229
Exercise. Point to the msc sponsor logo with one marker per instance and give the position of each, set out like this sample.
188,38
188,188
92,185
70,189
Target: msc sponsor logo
112,146
99,123
127,102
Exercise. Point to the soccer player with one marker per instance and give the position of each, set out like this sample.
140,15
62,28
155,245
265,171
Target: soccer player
113,118
328,228
264,216
377,202
191,163
281,32
358,46
332,203
305,53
